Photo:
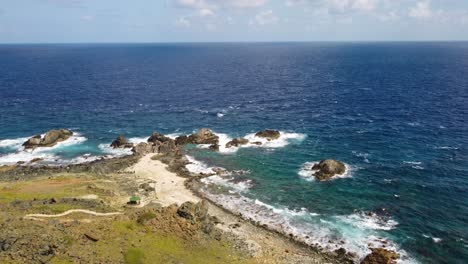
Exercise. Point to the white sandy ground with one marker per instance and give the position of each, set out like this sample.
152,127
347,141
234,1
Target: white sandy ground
269,247
34,216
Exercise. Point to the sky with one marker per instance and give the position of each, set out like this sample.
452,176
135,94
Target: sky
89,21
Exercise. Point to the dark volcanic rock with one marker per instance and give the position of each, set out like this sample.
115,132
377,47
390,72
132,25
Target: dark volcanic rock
268,134
214,147
121,142
192,211
157,138
328,168
237,142
51,138
204,136
380,256
181,140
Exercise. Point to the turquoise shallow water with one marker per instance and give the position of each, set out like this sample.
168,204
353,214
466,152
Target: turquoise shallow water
394,112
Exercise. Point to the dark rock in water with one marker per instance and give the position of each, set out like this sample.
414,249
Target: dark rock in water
237,142
268,134
121,142
326,169
381,256
214,147
158,138
193,212
258,143
51,138
181,140
204,136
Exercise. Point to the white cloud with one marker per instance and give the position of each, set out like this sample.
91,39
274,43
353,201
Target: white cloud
216,4
421,10
264,18
205,12
183,22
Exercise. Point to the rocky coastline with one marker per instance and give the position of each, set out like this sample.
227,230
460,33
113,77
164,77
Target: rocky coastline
171,152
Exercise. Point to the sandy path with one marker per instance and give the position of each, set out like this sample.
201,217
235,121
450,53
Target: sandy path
169,187
71,212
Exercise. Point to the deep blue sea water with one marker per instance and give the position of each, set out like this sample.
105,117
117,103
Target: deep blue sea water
395,113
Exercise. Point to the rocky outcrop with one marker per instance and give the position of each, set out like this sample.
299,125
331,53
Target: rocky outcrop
193,212
157,138
268,134
381,256
326,169
144,148
121,142
204,136
181,140
50,139
237,142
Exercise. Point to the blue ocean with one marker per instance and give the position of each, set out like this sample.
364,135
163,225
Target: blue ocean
395,113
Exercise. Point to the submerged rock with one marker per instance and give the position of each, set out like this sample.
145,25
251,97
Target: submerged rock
268,134
380,256
204,136
50,139
121,142
328,168
237,142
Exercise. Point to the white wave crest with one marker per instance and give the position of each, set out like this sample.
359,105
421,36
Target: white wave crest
45,154
353,232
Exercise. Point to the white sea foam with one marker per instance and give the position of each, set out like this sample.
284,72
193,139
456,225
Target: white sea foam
353,232
114,152
229,182
307,172
46,154
198,167
284,139
362,155
415,164
446,147
369,221
13,143
137,140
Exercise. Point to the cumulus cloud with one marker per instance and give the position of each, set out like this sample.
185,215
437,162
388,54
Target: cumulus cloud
204,12
215,4
421,10
183,22
264,18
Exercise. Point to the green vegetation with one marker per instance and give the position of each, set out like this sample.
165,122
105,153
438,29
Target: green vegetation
134,256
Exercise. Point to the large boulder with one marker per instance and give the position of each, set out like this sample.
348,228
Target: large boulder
121,142
381,256
157,138
51,138
204,136
193,211
328,168
144,148
181,140
268,134
237,142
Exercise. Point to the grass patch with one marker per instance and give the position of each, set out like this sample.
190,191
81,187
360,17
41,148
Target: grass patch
145,217
134,256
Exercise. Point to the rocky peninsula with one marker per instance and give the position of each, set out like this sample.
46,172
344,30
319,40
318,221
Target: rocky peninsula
143,208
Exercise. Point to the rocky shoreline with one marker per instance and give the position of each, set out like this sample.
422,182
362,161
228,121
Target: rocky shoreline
170,152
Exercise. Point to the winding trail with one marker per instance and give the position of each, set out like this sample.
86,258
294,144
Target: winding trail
32,216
